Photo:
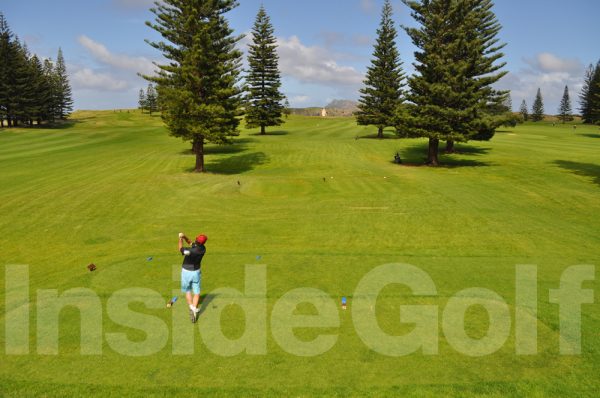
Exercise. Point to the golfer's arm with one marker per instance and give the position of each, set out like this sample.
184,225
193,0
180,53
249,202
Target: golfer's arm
180,245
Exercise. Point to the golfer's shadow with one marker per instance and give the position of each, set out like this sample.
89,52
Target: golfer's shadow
206,299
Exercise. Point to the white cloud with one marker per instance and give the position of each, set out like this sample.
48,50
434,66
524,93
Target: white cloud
87,79
550,63
101,53
551,74
314,65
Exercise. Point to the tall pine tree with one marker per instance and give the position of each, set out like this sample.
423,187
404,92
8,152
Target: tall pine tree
537,110
383,91
585,98
198,88
264,107
51,106
41,90
594,96
6,38
565,111
20,92
524,111
451,97
64,96
151,99
142,100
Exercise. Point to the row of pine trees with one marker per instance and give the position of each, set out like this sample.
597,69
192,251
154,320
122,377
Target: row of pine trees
32,90
449,99
199,92
148,100
565,109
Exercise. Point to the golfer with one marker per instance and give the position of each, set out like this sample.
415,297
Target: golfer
191,275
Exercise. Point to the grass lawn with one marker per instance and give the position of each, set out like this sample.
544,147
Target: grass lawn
321,209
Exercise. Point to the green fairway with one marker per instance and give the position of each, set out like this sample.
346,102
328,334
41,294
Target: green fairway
320,208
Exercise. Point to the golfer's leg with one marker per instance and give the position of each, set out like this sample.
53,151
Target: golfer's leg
196,289
188,297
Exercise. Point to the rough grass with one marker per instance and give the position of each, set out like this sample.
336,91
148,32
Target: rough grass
321,208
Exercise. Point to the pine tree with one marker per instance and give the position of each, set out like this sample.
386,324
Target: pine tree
585,98
65,99
537,111
51,106
142,100
29,106
151,99
264,98
287,110
594,96
524,111
198,88
451,95
6,37
41,90
565,110
19,89
383,91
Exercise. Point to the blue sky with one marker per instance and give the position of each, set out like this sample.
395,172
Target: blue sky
325,45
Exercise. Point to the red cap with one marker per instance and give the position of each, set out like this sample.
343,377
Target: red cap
201,239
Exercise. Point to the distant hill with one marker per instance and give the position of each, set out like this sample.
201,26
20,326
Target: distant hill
335,108
343,104
306,111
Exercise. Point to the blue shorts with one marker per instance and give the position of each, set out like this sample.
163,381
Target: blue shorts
190,281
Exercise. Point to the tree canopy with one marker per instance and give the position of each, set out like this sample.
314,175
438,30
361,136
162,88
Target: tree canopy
198,89
383,91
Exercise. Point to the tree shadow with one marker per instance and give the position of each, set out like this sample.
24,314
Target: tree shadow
58,125
470,150
416,155
61,125
590,135
217,150
386,136
273,133
237,164
589,170
205,301
237,146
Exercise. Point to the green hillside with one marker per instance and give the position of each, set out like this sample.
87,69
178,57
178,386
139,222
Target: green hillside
320,204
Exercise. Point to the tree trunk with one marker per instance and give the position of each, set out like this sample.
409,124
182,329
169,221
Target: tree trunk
380,133
263,130
432,156
450,147
198,148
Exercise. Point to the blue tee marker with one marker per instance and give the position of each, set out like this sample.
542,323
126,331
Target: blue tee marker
150,259
173,301
258,258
